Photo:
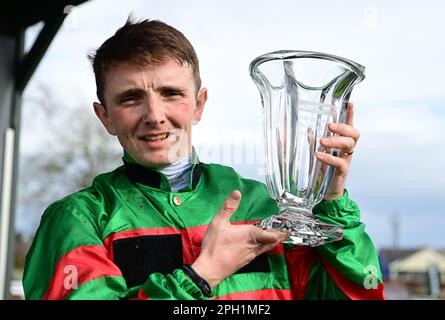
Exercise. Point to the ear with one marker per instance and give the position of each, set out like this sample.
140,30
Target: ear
200,102
102,114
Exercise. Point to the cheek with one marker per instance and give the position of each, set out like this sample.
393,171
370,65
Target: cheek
182,115
123,129
126,119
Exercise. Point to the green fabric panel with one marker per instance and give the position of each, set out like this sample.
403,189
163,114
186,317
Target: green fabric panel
103,288
355,251
171,287
321,286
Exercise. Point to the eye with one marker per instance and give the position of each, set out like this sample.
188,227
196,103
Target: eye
131,99
172,93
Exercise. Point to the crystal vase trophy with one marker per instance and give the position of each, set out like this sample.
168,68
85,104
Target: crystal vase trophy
301,92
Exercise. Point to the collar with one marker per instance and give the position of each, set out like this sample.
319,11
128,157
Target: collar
155,179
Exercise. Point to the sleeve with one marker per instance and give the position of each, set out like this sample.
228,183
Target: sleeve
68,260
348,268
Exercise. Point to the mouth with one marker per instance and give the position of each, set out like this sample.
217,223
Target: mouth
156,137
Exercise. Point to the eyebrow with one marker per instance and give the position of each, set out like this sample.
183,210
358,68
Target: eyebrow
171,88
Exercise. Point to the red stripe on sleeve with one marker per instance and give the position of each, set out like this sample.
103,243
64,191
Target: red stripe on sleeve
79,266
352,289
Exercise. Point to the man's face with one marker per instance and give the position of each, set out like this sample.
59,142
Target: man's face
151,109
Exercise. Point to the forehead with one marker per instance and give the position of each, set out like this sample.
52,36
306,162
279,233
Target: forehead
169,72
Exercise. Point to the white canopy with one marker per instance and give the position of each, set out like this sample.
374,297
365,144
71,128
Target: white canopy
420,261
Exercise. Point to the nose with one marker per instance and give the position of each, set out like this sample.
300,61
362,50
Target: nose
153,113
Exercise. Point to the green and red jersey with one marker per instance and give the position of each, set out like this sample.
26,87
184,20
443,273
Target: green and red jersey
127,236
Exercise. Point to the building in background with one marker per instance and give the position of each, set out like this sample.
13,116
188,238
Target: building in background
413,273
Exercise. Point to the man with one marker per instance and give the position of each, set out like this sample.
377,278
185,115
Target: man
167,226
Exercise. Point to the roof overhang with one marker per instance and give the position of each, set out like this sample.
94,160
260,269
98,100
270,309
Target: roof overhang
17,15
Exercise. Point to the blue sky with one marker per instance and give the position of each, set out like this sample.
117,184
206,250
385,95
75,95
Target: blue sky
399,106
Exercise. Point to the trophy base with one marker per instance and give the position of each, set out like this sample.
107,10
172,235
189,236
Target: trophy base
304,229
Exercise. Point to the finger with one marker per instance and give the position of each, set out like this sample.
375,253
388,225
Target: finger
344,130
338,142
268,236
230,205
350,114
341,164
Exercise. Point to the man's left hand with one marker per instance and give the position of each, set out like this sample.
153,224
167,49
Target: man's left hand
345,140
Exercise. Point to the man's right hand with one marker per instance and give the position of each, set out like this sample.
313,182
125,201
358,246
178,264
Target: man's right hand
226,248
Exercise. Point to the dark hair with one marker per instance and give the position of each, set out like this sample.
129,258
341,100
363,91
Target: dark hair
143,43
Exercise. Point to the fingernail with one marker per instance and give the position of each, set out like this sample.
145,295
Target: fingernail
333,126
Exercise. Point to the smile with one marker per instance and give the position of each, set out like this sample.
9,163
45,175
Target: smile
156,137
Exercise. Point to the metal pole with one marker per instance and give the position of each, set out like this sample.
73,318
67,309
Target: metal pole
7,191
10,175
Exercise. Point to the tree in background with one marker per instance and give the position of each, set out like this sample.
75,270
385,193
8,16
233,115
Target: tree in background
63,147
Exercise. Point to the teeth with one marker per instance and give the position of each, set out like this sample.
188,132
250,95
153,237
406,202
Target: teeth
156,137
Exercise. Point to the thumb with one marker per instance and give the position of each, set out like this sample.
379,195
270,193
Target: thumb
230,205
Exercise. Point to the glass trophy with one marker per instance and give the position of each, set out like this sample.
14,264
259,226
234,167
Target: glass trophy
301,92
